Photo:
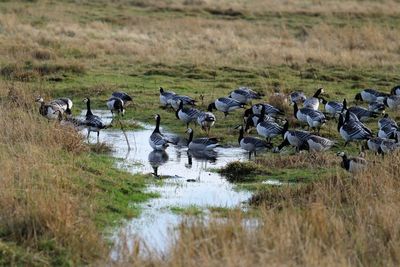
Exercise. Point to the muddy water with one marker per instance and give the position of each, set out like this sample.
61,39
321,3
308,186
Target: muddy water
187,181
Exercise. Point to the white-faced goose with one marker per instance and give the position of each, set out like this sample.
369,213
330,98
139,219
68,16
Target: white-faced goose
187,115
270,110
165,97
370,95
52,111
392,101
295,138
157,140
244,95
353,164
201,144
116,105
314,118
123,96
225,105
351,130
206,120
313,102
93,122
395,90
332,108
251,144
266,128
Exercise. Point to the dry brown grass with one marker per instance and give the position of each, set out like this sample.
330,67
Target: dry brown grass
340,221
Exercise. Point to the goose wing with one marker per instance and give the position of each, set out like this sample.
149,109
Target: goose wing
122,95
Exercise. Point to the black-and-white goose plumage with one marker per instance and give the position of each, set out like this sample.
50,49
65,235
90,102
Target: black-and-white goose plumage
225,105
186,100
266,128
313,102
377,107
165,97
392,102
374,144
319,144
270,110
370,95
389,145
116,105
52,111
251,144
395,90
362,114
244,95
185,114
157,140
123,96
350,130
386,120
332,108
93,123
314,118
295,138
352,164
201,144
206,120
65,103
388,131
297,97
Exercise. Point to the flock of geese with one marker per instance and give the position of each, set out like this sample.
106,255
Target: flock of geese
268,120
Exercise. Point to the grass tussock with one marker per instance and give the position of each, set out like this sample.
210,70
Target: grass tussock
238,171
342,220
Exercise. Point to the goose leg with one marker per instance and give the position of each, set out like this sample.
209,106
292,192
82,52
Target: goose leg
226,114
249,155
98,133
88,134
345,144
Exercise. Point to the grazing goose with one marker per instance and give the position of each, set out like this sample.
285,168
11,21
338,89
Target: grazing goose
123,96
361,113
244,95
354,118
374,144
270,110
395,90
225,105
64,103
388,146
295,138
201,144
388,131
252,144
351,130
319,144
370,95
386,121
165,97
254,119
176,99
313,102
187,115
392,101
354,164
52,111
116,104
206,120
333,108
157,140
377,107
297,97
266,128
93,122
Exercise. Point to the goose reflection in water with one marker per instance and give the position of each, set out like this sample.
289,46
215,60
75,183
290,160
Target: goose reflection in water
156,159
203,157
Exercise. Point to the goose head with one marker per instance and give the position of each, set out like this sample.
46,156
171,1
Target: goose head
39,99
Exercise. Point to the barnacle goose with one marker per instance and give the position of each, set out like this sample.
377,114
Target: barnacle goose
244,95
370,95
361,113
295,138
93,122
187,115
374,144
387,131
122,95
64,103
386,121
376,107
206,120
200,144
313,102
157,140
297,97
252,144
395,90
176,99
116,104
392,101
319,144
225,105
353,164
389,145
266,128
333,108
351,130
270,110
52,111
314,118
165,97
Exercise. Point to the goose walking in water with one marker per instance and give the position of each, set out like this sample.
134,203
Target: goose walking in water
157,140
252,144
201,144
353,164
93,123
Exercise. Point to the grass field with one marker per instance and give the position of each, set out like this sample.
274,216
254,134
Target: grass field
57,190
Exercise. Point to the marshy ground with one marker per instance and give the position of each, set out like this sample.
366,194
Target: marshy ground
56,189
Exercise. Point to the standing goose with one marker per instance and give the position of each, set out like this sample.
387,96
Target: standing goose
361,113
388,145
176,99
187,115
201,144
313,102
52,111
265,128
333,108
64,103
316,119
206,120
354,164
374,144
370,95
295,138
386,121
351,130
244,95
116,104
395,90
165,97
318,143
388,132
270,110
93,122
392,101
225,105
123,96
301,114
157,140
251,144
